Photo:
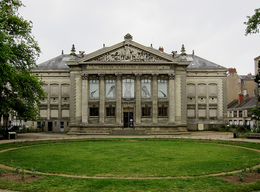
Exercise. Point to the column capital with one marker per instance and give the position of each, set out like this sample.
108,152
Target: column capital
155,75
84,76
138,76
118,75
171,76
101,76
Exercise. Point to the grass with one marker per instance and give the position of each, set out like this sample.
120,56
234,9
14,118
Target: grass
130,158
55,183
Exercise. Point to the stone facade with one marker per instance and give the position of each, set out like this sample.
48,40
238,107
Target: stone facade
132,87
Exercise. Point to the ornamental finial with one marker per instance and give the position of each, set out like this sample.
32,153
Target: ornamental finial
73,50
183,51
128,37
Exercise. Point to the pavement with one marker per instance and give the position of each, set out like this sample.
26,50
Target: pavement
210,135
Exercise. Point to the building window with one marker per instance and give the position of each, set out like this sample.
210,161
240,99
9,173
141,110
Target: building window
239,80
62,125
244,81
213,112
146,112
248,114
162,88
128,88
162,111
110,88
93,111
230,122
39,125
146,88
240,114
245,92
235,113
93,88
110,112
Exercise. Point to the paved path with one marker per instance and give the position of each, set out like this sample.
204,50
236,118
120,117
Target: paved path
211,135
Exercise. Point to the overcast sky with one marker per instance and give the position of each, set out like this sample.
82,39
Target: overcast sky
214,29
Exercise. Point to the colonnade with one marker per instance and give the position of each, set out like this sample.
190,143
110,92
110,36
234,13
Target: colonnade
82,98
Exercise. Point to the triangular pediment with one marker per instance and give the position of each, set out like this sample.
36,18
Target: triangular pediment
128,51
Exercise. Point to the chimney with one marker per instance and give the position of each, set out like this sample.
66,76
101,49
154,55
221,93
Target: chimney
232,70
240,98
249,74
161,49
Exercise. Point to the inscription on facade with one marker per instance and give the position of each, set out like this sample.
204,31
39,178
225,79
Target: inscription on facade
125,67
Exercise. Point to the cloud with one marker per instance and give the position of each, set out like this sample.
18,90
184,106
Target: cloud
214,29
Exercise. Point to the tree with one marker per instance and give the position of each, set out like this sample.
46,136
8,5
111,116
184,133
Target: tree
255,112
20,90
253,23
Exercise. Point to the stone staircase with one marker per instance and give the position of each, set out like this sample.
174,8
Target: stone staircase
128,131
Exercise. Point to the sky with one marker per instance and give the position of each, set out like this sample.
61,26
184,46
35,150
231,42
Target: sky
214,29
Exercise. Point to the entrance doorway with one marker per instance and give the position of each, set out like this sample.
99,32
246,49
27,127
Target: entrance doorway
49,126
128,118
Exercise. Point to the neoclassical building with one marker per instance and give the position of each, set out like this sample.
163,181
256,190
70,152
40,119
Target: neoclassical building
129,88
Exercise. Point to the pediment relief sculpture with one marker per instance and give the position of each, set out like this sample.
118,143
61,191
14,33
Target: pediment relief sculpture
128,53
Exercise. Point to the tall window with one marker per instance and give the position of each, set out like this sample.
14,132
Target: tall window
162,111
93,88
146,112
110,88
162,88
62,125
235,113
128,88
146,88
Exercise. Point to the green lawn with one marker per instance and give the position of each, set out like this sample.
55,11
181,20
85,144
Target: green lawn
130,158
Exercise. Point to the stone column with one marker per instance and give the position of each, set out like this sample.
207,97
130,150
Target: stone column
48,102
78,82
85,98
155,97
171,90
102,96
118,98
138,95
59,103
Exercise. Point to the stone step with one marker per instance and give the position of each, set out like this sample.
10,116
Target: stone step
127,131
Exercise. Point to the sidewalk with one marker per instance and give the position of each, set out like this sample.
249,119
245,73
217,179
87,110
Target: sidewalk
211,135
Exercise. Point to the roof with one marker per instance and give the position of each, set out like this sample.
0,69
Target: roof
247,77
200,63
196,62
247,103
58,62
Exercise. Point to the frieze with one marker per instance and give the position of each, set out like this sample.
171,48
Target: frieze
128,53
128,66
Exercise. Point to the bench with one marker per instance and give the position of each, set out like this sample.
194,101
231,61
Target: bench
12,135
253,135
